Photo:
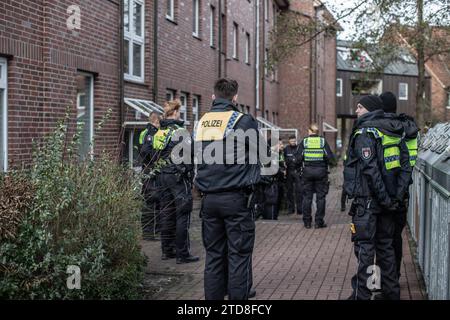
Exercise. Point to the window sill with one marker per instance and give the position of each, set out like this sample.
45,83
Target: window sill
135,81
196,36
235,58
212,47
172,20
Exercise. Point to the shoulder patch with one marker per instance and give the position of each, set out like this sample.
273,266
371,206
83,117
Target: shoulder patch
366,153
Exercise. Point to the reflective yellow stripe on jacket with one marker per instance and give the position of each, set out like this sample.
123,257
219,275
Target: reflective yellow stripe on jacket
412,145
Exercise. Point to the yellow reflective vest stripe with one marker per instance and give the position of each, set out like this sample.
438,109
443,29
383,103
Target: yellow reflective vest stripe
412,145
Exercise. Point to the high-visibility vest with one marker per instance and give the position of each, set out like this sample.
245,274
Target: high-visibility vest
142,136
214,126
391,147
412,145
314,149
163,136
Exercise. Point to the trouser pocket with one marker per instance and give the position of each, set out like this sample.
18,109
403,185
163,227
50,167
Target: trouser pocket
363,224
247,237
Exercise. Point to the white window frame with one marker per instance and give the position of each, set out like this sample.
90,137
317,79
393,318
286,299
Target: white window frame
235,40
212,17
448,99
247,48
171,15
4,125
132,39
183,109
266,10
339,87
91,112
171,93
195,107
403,98
196,18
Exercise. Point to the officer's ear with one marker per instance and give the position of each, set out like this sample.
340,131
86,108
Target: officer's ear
235,98
213,97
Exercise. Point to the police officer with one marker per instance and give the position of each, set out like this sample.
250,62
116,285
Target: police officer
293,180
226,188
411,132
371,154
174,179
272,189
150,212
314,155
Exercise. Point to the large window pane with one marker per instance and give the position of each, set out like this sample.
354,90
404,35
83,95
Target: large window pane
84,113
126,56
126,15
137,18
137,60
2,137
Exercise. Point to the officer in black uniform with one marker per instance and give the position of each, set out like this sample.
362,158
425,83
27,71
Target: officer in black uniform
373,152
293,180
314,155
272,189
411,132
150,211
175,182
226,188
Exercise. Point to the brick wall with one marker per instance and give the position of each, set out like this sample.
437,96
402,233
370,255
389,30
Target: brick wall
44,58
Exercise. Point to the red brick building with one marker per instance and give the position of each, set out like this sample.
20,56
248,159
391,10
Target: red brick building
132,55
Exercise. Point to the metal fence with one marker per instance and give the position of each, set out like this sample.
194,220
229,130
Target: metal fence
429,212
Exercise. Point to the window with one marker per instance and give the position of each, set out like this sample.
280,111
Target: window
235,40
339,87
170,94
402,91
196,18
183,109
247,48
267,114
195,107
212,27
3,116
85,113
134,40
248,109
266,10
273,118
132,149
170,13
448,100
224,34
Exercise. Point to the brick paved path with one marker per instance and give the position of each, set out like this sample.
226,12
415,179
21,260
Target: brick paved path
289,261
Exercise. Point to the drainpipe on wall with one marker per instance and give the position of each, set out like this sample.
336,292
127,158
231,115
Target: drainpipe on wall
263,80
220,41
155,52
257,56
121,80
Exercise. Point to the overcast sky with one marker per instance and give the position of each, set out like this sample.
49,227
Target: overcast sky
338,6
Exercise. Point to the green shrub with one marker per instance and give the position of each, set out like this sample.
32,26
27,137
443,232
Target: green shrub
63,211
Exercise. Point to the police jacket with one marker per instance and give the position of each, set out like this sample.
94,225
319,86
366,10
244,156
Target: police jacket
220,176
159,147
146,153
411,137
315,151
291,157
364,171
397,170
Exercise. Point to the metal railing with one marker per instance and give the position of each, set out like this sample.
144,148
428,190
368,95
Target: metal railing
429,210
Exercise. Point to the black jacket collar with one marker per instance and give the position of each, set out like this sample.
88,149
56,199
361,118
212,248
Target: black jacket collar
171,122
220,104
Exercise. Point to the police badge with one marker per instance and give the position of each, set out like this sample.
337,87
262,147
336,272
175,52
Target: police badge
366,153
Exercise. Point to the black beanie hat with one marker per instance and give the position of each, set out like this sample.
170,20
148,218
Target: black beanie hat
389,102
371,103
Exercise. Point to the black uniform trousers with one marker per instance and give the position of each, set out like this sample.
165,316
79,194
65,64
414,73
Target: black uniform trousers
270,211
176,208
294,191
400,223
228,232
315,180
150,218
373,245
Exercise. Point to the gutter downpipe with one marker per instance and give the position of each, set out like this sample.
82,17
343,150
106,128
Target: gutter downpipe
257,58
121,81
155,52
220,41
